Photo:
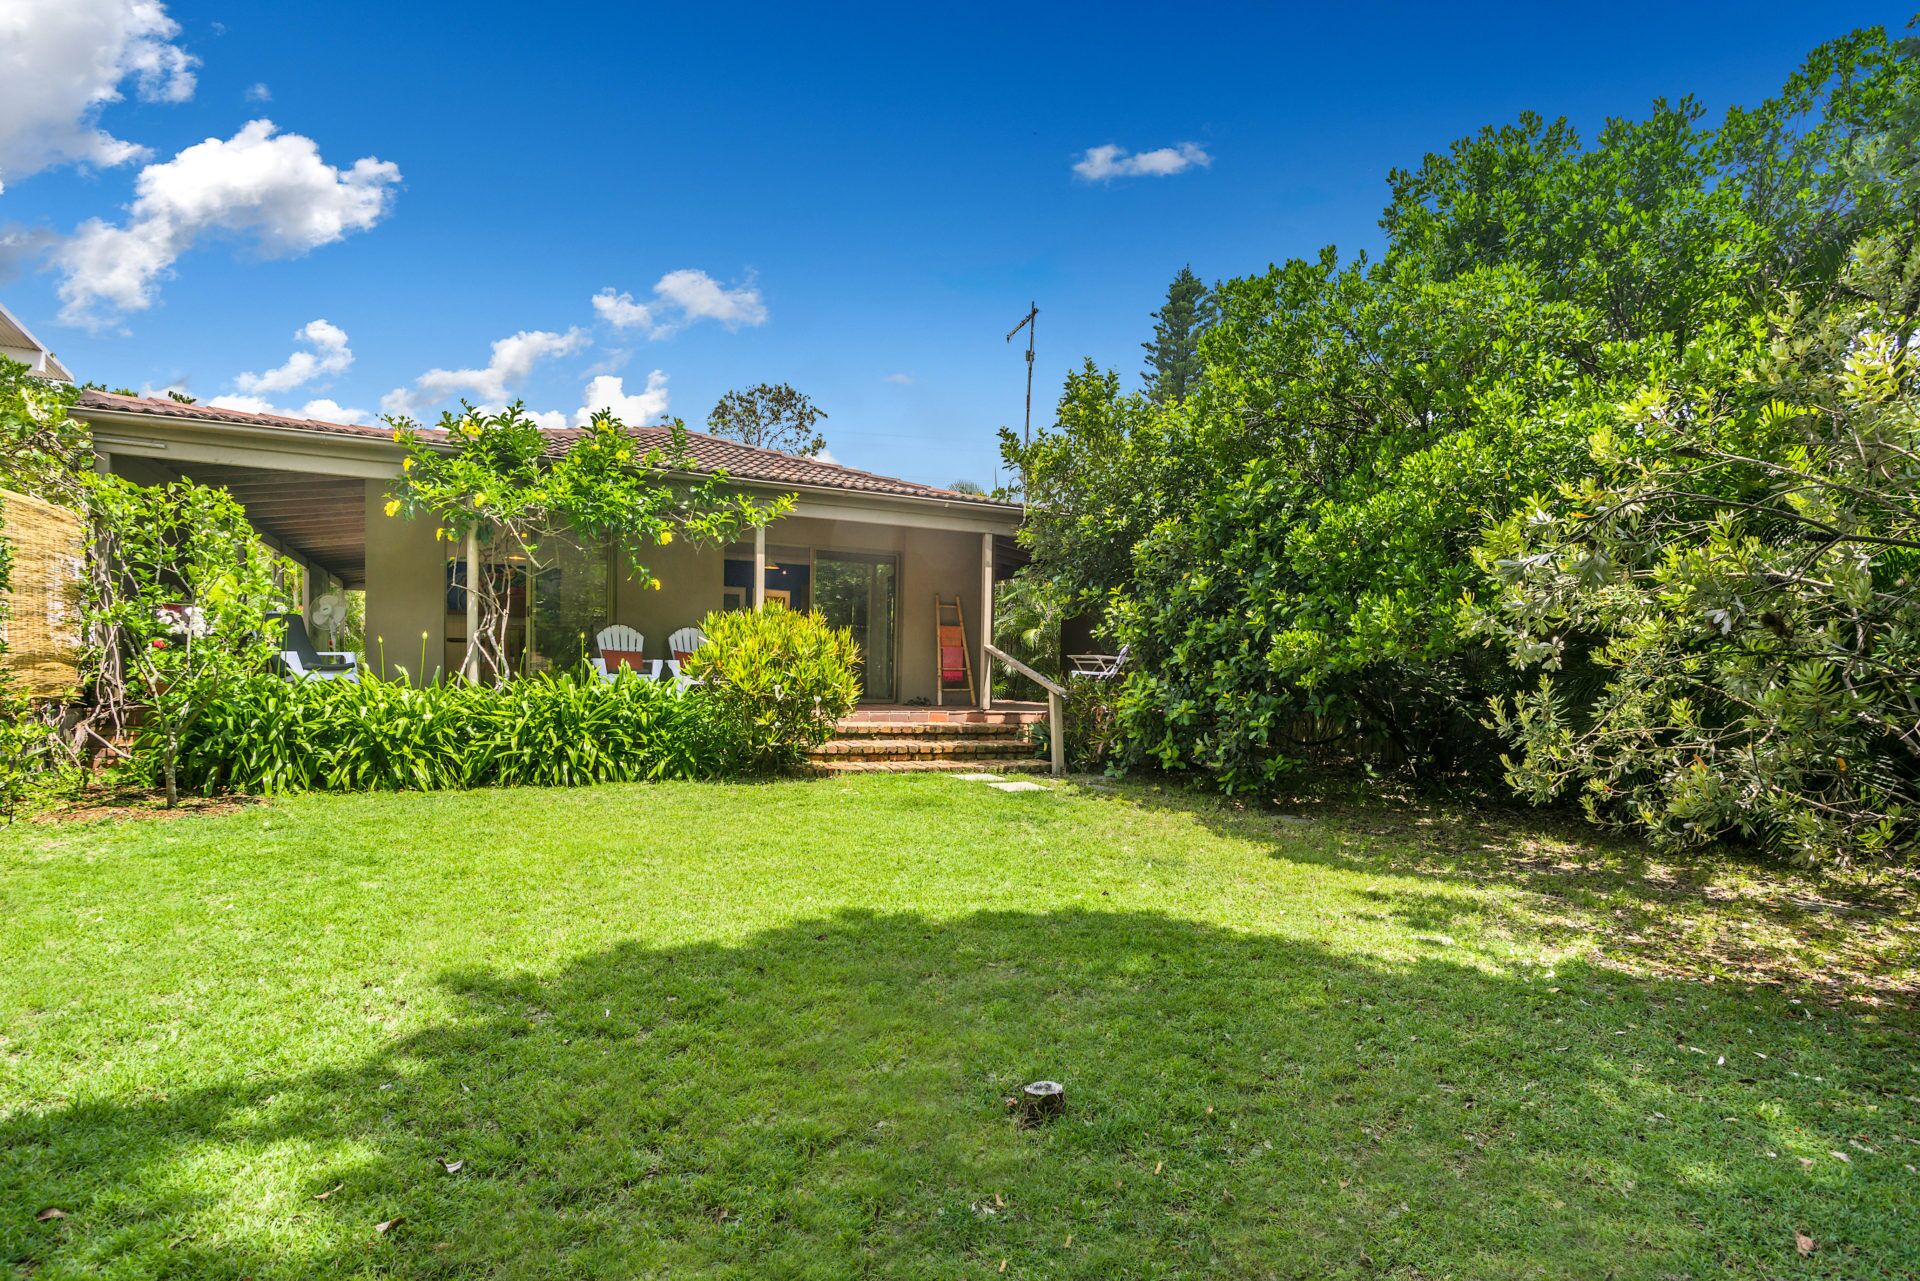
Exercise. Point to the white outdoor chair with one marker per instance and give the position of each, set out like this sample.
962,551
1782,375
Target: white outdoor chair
1099,667
305,663
628,645
680,647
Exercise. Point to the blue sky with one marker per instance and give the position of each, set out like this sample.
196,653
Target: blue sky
857,201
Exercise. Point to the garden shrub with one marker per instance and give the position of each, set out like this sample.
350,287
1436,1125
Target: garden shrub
768,687
776,680
1094,738
553,729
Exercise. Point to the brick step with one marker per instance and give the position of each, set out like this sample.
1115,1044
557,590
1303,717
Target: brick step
968,716
936,765
922,748
935,729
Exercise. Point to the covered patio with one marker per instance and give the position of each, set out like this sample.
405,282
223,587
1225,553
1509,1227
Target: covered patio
887,558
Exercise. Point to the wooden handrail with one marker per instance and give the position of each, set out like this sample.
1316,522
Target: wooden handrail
1056,706
1052,687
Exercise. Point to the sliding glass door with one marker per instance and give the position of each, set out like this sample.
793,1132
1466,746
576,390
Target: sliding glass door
861,592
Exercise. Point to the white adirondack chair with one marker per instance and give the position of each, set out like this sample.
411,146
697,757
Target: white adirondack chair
621,639
680,646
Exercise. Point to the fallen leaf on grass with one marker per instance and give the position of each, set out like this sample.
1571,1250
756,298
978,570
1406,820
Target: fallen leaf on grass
1841,1156
390,1224
1803,1243
1069,1244
452,1167
1806,1161
49,1214
1003,1265
321,1196
1157,1165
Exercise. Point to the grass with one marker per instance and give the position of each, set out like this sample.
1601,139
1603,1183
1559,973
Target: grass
767,1031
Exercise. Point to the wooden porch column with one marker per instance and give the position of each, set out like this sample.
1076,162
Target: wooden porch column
986,622
470,664
759,566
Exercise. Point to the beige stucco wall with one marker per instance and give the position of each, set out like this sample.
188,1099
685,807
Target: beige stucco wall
691,584
406,589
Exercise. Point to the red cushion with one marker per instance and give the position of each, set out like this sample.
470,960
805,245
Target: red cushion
616,659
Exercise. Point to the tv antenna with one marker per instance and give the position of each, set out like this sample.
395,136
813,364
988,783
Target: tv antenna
1029,324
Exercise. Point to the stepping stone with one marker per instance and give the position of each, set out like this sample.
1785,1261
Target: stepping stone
978,778
1017,785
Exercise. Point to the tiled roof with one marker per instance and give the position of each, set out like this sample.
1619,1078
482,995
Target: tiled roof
709,453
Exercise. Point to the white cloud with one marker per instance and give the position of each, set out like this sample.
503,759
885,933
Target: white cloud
608,391
258,92
330,355
682,298
701,297
512,360
826,456
1104,164
273,190
63,61
899,380
334,411
620,310
323,409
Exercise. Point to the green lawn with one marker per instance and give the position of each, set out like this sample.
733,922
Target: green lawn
766,1031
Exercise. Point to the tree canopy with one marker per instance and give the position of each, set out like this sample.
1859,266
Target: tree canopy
770,416
1304,550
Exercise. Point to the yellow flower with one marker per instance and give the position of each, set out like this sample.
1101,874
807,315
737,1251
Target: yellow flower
396,435
654,583
406,464
666,536
479,500
393,507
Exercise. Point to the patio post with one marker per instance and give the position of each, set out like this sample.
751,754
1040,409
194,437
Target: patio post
986,622
470,664
759,566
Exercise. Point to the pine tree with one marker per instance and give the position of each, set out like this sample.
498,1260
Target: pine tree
1173,357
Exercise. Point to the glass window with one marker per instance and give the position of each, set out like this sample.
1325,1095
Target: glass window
860,592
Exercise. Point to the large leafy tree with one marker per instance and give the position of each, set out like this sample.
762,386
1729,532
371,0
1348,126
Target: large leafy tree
491,475
178,594
1173,357
1288,548
195,603
1734,590
770,416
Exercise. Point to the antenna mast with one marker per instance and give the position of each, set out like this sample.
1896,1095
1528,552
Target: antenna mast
1028,323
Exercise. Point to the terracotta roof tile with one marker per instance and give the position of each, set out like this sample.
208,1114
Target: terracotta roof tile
709,453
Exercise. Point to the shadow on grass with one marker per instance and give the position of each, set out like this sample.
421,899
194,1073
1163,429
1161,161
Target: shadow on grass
1712,915
826,1100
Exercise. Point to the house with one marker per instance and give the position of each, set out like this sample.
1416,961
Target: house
870,552
18,343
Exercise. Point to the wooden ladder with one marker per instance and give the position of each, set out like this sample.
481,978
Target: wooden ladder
951,661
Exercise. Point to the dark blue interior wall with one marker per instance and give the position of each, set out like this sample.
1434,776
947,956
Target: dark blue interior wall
781,577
